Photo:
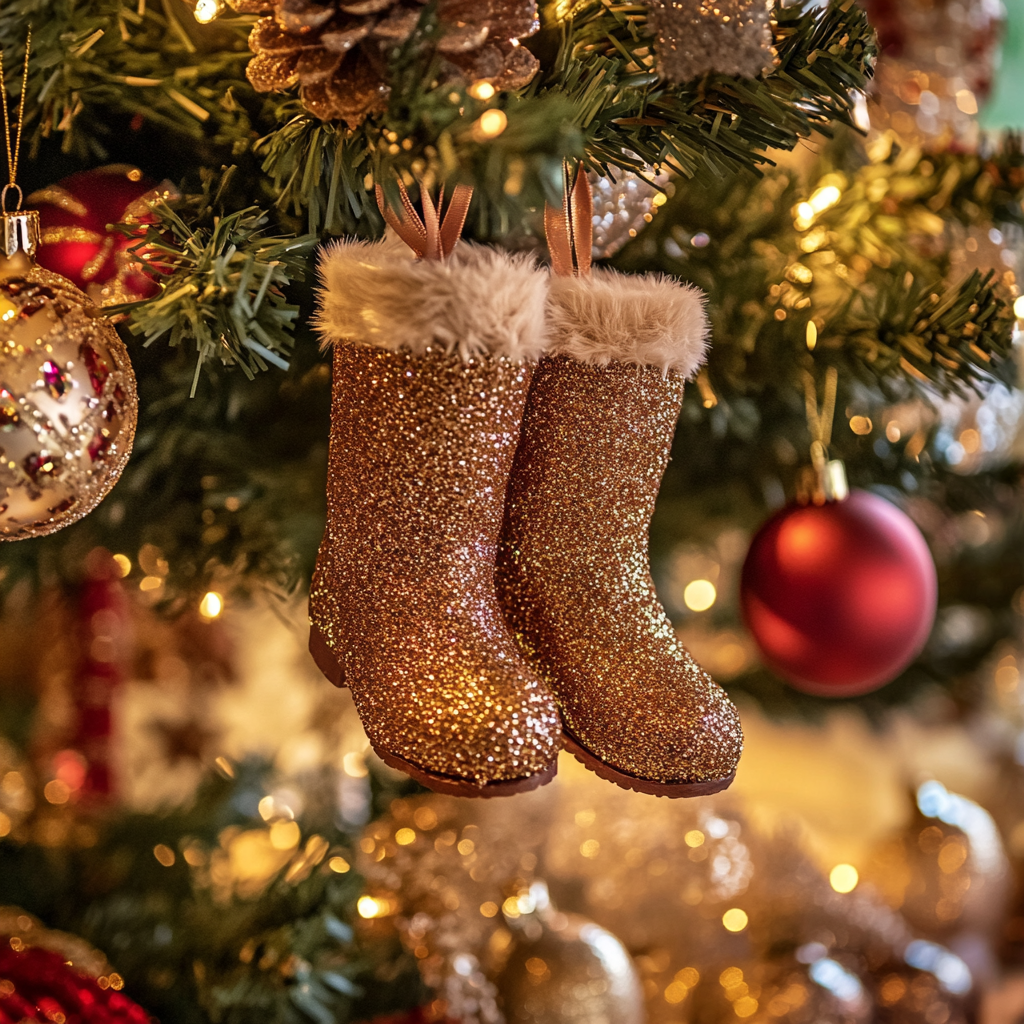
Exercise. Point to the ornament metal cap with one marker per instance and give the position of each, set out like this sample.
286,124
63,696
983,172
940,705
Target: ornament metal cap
20,233
834,479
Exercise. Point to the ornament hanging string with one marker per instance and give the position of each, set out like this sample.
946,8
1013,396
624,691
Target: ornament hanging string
819,421
431,236
14,151
570,230
829,475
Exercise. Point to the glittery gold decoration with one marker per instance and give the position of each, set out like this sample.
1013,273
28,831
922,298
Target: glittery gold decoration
801,989
336,52
403,594
697,37
936,67
68,404
575,581
663,877
564,969
947,873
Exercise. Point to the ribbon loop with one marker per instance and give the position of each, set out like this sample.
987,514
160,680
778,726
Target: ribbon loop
431,237
570,231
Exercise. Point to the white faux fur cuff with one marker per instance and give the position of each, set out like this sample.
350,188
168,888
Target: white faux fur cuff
478,301
648,319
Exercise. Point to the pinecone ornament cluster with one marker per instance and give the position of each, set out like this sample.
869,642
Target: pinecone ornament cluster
337,52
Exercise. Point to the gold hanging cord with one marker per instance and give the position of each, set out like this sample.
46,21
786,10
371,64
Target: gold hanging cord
829,475
14,151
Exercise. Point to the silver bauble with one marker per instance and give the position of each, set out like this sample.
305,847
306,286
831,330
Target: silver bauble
564,969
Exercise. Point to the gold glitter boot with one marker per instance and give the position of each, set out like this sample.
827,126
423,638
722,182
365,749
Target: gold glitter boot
432,362
573,571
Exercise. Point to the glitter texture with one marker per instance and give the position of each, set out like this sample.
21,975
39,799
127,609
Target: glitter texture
574,576
564,969
68,404
623,207
726,37
403,594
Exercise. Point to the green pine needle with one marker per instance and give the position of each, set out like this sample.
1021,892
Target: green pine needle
223,283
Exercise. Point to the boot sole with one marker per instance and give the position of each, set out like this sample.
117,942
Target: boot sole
671,790
446,784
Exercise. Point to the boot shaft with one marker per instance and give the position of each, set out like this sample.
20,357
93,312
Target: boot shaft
421,448
596,441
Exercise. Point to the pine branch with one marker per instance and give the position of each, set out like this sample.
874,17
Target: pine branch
223,282
952,339
94,59
856,252
599,99
715,125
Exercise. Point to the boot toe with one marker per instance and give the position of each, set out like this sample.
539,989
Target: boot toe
671,735
492,725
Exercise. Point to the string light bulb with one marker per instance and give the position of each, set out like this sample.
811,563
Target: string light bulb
482,90
208,10
490,125
211,605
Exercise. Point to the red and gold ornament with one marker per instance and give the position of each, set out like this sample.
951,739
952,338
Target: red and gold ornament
49,976
75,218
840,597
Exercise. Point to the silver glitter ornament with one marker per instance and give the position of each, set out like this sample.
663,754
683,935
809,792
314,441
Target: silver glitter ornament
564,969
68,404
622,208
695,37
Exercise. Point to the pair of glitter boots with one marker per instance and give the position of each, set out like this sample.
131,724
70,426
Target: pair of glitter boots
498,438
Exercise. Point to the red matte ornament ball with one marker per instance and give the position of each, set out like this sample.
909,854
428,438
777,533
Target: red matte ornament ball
74,216
839,597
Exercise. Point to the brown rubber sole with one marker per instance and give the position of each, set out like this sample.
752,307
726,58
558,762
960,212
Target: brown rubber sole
450,786
329,666
672,790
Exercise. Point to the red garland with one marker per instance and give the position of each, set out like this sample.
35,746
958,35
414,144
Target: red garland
39,985
103,626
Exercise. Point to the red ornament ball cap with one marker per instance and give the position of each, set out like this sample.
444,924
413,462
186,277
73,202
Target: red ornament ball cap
841,597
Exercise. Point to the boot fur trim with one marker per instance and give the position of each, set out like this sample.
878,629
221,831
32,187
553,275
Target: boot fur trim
479,301
647,319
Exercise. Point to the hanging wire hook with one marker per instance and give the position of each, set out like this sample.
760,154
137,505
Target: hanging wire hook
3,197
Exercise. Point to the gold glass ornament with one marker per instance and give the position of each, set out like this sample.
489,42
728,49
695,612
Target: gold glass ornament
68,404
564,969
948,872
800,989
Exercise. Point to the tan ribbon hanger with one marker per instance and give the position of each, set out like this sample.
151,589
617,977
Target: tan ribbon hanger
431,237
828,481
570,230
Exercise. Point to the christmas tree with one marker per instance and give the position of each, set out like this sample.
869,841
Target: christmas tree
237,196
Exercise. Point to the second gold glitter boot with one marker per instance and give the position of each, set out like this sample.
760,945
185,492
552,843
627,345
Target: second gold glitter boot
432,361
573,566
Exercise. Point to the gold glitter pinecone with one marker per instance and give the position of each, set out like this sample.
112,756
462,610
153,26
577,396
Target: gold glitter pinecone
337,53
